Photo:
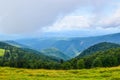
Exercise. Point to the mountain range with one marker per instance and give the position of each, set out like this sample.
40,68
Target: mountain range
69,46
87,52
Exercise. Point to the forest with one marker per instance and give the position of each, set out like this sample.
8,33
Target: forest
28,58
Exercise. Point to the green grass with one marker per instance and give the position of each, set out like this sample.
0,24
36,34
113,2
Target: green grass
2,52
7,73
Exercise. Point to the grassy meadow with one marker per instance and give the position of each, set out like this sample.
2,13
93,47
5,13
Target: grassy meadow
2,52
7,73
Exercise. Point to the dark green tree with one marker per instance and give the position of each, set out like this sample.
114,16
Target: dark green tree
80,64
97,63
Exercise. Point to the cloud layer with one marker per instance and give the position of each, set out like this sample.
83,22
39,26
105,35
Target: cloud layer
100,17
22,16
30,16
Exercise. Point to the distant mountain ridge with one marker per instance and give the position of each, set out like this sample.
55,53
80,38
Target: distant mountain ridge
70,46
13,43
55,52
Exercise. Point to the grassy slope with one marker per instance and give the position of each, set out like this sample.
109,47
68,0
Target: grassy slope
7,73
2,52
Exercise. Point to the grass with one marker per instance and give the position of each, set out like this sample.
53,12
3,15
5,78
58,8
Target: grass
2,52
7,73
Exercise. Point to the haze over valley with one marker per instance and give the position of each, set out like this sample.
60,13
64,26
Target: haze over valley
59,39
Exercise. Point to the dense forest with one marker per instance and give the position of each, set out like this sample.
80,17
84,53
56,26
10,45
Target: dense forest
98,47
108,58
25,58
99,55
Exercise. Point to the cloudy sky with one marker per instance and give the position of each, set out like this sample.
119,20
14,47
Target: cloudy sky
59,17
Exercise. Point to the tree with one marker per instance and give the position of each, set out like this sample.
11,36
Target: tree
66,65
109,61
97,63
80,64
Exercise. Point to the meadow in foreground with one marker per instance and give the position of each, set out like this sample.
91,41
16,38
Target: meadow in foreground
7,73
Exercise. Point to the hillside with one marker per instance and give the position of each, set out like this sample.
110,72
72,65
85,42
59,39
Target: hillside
24,58
105,58
13,43
104,55
55,53
99,47
112,73
70,46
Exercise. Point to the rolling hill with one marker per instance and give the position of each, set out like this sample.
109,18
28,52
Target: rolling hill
99,55
13,56
55,53
13,43
70,46
99,47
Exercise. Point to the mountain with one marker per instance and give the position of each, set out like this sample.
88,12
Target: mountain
55,52
107,58
13,43
99,55
99,47
13,56
70,46
24,58
38,43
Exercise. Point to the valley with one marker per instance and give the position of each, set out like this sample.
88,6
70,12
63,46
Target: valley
101,54
59,39
71,47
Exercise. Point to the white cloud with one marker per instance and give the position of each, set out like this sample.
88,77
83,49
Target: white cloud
69,23
27,16
94,22
112,21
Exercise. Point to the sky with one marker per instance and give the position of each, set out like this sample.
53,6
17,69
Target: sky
58,18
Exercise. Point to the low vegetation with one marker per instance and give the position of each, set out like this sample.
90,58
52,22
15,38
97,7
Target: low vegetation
7,73
2,52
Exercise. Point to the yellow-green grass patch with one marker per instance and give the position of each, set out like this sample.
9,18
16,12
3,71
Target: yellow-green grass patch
112,73
2,52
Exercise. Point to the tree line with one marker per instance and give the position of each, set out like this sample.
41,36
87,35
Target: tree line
22,58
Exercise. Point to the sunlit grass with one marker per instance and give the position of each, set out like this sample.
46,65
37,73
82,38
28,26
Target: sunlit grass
2,52
7,73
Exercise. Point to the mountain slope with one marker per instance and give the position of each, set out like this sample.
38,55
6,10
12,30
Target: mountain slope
55,52
105,58
13,43
24,58
70,46
99,47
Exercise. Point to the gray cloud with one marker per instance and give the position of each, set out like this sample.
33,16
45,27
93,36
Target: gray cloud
25,16
22,16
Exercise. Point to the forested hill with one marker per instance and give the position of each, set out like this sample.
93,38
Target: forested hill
108,58
100,55
70,46
24,58
55,53
99,47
